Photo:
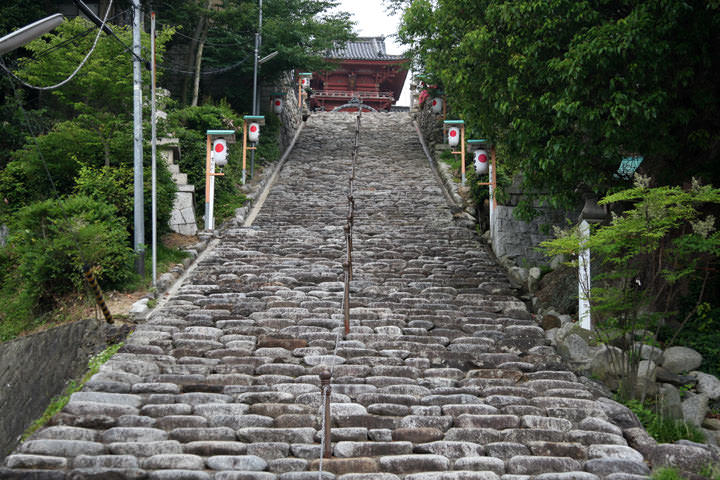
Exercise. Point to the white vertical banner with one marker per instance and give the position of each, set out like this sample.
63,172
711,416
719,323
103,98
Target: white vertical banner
584,278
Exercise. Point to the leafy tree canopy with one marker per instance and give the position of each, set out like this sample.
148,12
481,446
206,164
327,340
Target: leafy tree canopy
299,30
567,89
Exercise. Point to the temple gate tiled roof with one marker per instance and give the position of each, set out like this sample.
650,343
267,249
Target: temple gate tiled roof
364,48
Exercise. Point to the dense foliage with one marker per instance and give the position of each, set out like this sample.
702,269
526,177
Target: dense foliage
219,43
50,242
567,89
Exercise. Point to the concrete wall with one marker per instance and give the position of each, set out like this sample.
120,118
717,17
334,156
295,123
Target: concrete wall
36,368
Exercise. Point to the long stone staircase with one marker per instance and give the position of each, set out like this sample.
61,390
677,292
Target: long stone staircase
444,374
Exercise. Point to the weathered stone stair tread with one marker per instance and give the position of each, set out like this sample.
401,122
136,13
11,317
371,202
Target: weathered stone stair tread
444,376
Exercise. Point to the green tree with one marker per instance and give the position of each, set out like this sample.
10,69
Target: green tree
567,89
49,244
222,42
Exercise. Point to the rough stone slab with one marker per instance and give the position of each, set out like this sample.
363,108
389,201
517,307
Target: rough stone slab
83,408
684,457
481,464
496,422
174,462
36,462
105,461
535,465
8,474
449,449
236,462
404,464
178,475
559,449
286,435
371,449
186,435
606,466
620,452
342,466
369,476
306,476
245,476
567,476
461,475
145,449
61,448
132,434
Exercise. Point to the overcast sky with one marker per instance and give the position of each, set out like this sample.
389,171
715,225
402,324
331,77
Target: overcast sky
373,20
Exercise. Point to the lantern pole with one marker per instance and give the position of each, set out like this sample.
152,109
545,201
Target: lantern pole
229,136
462,153
461,125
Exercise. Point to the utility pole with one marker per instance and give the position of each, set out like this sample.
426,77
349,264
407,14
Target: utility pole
258,41
153,123
138,144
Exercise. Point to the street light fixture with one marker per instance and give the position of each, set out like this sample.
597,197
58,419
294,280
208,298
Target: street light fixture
23,35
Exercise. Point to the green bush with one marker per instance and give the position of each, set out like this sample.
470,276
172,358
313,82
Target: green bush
115,186
648,258
664,429
667,474
50,242
190,125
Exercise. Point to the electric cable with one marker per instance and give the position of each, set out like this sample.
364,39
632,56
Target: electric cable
69,40
72,75
206,72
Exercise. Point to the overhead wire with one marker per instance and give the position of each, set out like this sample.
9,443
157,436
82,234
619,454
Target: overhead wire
72,75
75,37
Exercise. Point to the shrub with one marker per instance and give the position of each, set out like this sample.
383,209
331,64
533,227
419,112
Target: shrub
115,186
50,241
661,244
190,125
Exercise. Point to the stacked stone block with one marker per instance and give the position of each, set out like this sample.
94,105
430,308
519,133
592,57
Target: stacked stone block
444,374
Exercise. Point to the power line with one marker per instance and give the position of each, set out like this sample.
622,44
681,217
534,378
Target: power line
206,72
72,75
79,35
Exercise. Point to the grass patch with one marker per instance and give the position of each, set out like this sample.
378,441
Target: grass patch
61,400
663,429
454,162
667,474
166,259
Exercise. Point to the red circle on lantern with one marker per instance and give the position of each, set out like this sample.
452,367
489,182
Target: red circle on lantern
253,128
277,102
453,133
434,102
482,158
219,147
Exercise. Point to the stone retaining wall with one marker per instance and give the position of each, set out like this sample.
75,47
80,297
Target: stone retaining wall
35,368
514,239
